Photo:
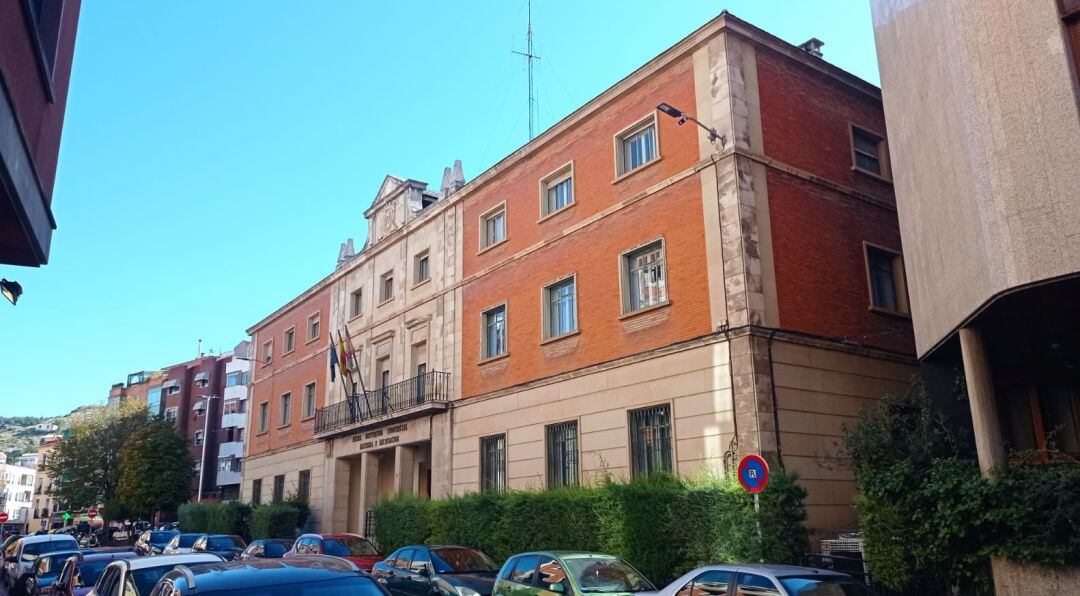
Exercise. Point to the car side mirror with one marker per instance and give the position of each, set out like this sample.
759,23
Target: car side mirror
558,588
424,571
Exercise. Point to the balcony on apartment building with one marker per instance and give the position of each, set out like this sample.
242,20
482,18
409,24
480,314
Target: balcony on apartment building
421,395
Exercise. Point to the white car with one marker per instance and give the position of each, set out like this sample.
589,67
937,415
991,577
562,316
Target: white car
772,580
20,556
136,577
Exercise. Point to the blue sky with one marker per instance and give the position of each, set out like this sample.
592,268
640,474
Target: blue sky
216,153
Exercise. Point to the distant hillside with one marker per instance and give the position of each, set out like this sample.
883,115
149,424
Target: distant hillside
18,435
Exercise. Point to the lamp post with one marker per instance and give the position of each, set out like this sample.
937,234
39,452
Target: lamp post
11,290
674,112
205,406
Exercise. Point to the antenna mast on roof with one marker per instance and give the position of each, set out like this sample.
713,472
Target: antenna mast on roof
529,57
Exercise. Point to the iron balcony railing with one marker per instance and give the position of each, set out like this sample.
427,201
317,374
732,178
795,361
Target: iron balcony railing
426,388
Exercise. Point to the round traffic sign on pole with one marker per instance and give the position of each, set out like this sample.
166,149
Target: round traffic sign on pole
753,473
3,517
92,513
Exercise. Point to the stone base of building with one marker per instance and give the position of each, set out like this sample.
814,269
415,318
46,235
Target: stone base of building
288,464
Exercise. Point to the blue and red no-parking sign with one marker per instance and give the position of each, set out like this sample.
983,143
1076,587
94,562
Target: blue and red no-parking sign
753,473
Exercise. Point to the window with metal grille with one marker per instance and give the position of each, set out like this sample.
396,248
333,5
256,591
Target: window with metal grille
256,491
493,463
646,277
650,441
562,454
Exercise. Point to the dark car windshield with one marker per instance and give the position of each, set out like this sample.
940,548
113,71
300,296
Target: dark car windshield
186,540
823,586
161,537
345,586
52,564
90,571
274,550
41,548
460,560
224,543
603,574
348,547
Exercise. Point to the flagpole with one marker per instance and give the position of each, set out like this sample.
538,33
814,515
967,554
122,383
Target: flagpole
345,388
356,365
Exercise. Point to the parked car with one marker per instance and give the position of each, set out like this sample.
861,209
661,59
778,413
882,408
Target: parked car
24,553
8,542
446,570
81,572
181,544
152,542
347,546
775,580
136,577
45,572
568,572
269,548
310,574
223,545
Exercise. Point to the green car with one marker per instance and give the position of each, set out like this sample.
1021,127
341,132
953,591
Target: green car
568,572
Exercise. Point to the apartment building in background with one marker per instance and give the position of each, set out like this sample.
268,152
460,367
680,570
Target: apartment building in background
46,510
140,386
38,42
623,295
984,148
16,494
232,428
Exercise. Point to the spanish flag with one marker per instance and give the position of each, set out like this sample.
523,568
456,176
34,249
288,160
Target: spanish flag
342,365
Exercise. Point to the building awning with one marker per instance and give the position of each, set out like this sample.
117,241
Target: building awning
203,376
170,384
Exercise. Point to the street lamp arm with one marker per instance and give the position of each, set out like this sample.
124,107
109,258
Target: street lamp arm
674,112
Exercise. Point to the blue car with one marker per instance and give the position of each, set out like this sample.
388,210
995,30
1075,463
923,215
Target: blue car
294,576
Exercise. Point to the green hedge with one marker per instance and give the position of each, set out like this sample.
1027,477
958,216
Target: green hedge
215,518
663,526
274,520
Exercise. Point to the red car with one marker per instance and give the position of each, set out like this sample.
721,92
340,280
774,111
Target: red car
347,546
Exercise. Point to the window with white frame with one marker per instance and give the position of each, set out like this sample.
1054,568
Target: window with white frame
493,227
356,303
386,286
645,277
494,337
560,308
885,273
313,324
170,414
557,190
309,400
198,437
286,408
290,340
264,416
268,352
636,146
421,268
869,152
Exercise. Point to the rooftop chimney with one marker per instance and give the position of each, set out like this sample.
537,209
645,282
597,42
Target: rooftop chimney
812,46
346,252
453,179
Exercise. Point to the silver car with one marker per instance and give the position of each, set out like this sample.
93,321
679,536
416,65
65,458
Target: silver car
764,580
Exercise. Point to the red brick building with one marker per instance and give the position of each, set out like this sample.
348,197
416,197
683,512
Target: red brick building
638,297
37,40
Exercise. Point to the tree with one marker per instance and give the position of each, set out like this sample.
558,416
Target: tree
156,470
87,460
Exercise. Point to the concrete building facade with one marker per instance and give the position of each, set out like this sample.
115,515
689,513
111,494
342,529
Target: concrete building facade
16,494
46,509
37,42
987,114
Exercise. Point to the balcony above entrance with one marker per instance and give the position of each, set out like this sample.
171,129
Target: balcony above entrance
418,396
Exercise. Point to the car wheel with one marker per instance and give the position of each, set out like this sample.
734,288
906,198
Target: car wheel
19,589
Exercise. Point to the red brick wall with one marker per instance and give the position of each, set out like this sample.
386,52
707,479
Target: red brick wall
288,373
41,120
818,234
591,253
